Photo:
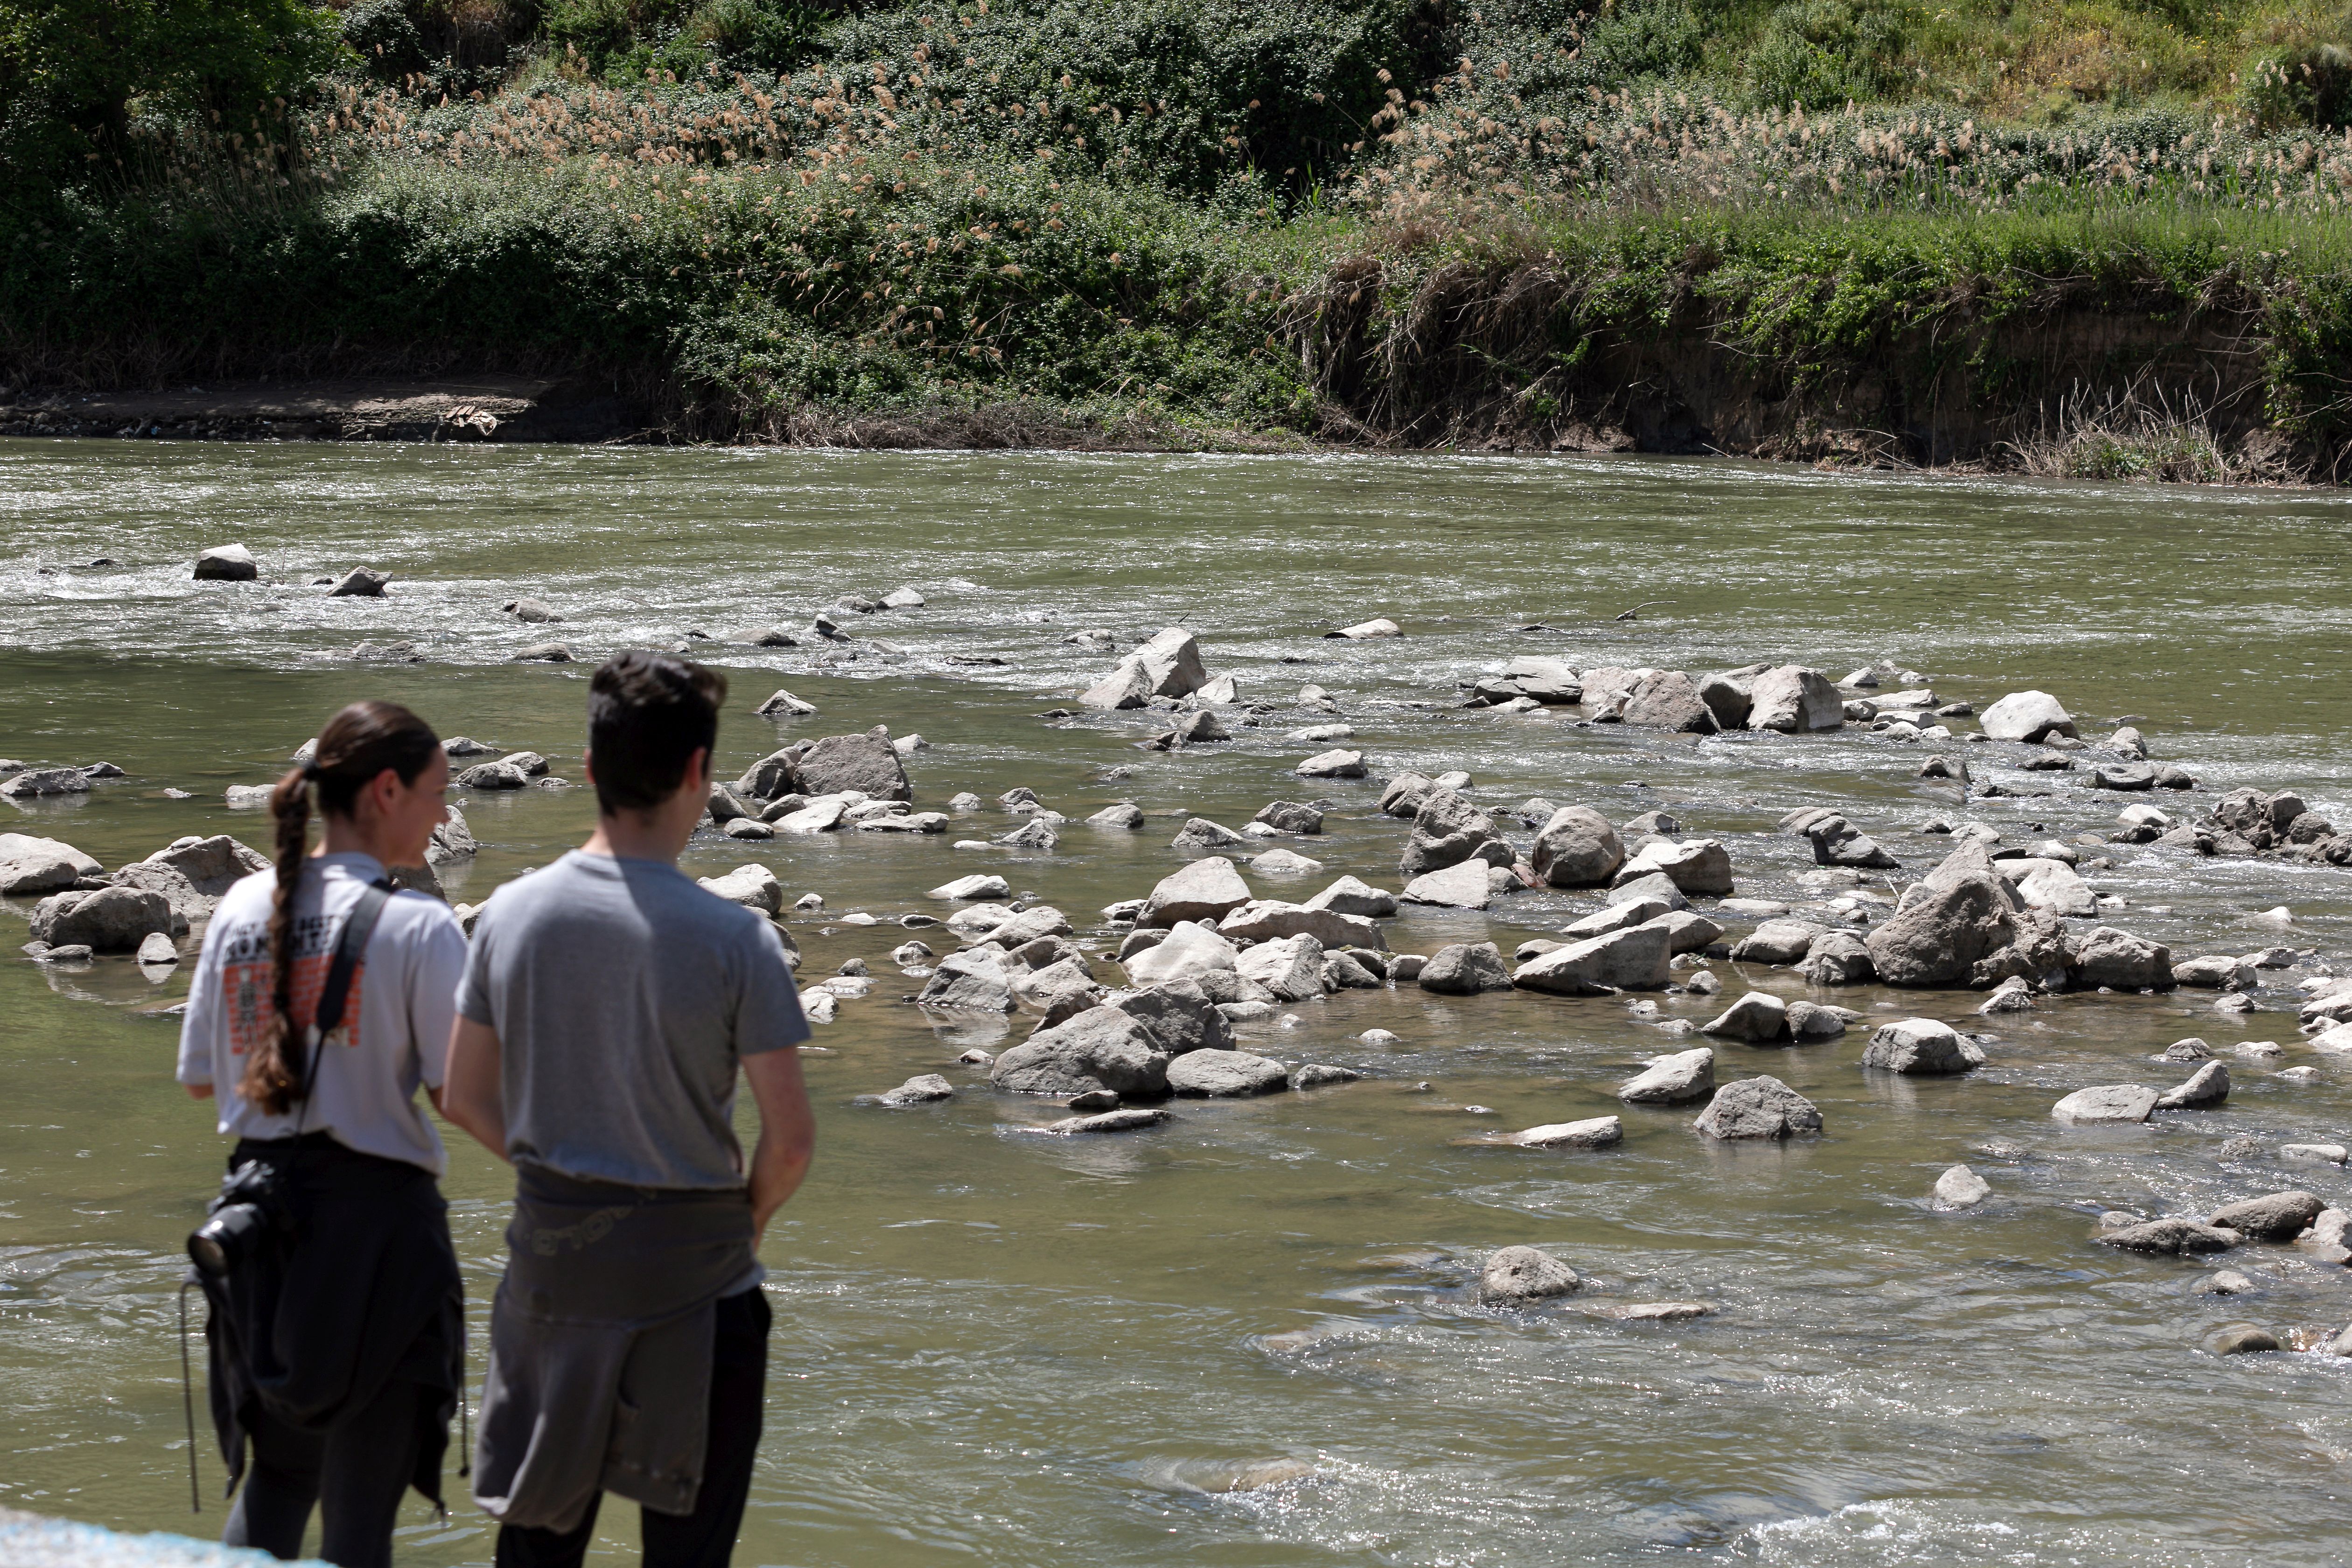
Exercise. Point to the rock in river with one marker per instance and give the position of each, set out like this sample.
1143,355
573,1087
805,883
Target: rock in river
2118,960
1921,1048
1672,1079
226,563
1465,969
1594,1132
1633,959
36,781
866,762
973,981
1525,1274
2026,716
1190,951
1758,1018
1262,919
1758,1107
107,920
1793,699
1576,849
1207,889
30,864
1291,969
1964,925
1225,1075
2106,1104
980,885
1960,1188
2171,1236
1101,1048
2209,1085
1333,764
360,583
1463,886
2281,1216
1351,897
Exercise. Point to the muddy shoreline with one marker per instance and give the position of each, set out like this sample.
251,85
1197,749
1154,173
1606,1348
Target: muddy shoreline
554,410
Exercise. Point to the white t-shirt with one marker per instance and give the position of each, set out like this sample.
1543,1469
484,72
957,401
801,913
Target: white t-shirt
396,1022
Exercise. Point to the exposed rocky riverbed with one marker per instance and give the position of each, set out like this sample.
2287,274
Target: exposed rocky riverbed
1737,990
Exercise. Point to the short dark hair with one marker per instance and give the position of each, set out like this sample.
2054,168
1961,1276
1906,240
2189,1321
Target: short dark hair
646,713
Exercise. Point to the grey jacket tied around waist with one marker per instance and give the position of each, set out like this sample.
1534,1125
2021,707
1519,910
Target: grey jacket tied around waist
601,1344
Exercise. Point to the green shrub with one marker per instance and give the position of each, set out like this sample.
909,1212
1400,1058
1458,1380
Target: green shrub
2308,86
1821,53
1646,37
71,71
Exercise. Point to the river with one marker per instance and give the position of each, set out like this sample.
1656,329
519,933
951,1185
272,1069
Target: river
1005,1349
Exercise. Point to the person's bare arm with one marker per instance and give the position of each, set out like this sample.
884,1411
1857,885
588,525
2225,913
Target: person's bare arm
471,1095
787,1132
198,1090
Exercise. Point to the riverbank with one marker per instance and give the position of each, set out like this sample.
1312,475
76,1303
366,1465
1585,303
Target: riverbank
2109,346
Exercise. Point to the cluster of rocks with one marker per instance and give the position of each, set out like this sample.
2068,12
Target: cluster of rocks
1789,698
143,907
23,781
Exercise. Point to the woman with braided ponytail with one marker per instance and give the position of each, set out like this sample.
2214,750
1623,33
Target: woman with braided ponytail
337,1322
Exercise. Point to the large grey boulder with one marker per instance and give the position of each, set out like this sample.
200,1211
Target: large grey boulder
2168,1237
187,904
2120,960
1591,1132
1921,1048
1226,1075
1525,1274
1290,817
1291,969
225,564
1350,897
107,920
2050,885
1699,867
1467,886
1129,686
1672,1079
1837,842
1465,969
1402,796
753,886
1208,889
1038,920
2026,716
1838,958
1262,919
1668,700
974,980
1171,661
1794,698
1101,1048
1729,695
1760,1107
1189,951
1447,830
1633,959
1339,763
1648,886
1546,680
34,782
868,763
1777,942
1964,925
29,864
1200,832
979,885
1615,917
213,864
1576,849
1759,1017
360,583
2281,1216
774,775
1180,1015
2209,1085
2106,1104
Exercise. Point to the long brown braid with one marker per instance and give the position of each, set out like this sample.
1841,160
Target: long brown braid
354,750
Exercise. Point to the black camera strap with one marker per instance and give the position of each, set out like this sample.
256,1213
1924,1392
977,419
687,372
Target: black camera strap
350,947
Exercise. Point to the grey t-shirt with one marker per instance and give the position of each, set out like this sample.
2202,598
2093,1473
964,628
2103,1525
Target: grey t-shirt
624,997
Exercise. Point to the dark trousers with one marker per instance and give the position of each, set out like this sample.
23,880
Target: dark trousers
705,1538
354,1474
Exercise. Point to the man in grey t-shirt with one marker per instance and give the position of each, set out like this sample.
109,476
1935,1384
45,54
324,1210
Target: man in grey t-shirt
608,1004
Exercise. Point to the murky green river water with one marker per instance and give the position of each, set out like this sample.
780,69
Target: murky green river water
1009,1349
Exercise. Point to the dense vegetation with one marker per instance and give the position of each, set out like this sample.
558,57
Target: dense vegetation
1420,220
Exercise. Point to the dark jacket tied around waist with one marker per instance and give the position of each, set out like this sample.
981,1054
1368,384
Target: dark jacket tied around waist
360,1289
600,1346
